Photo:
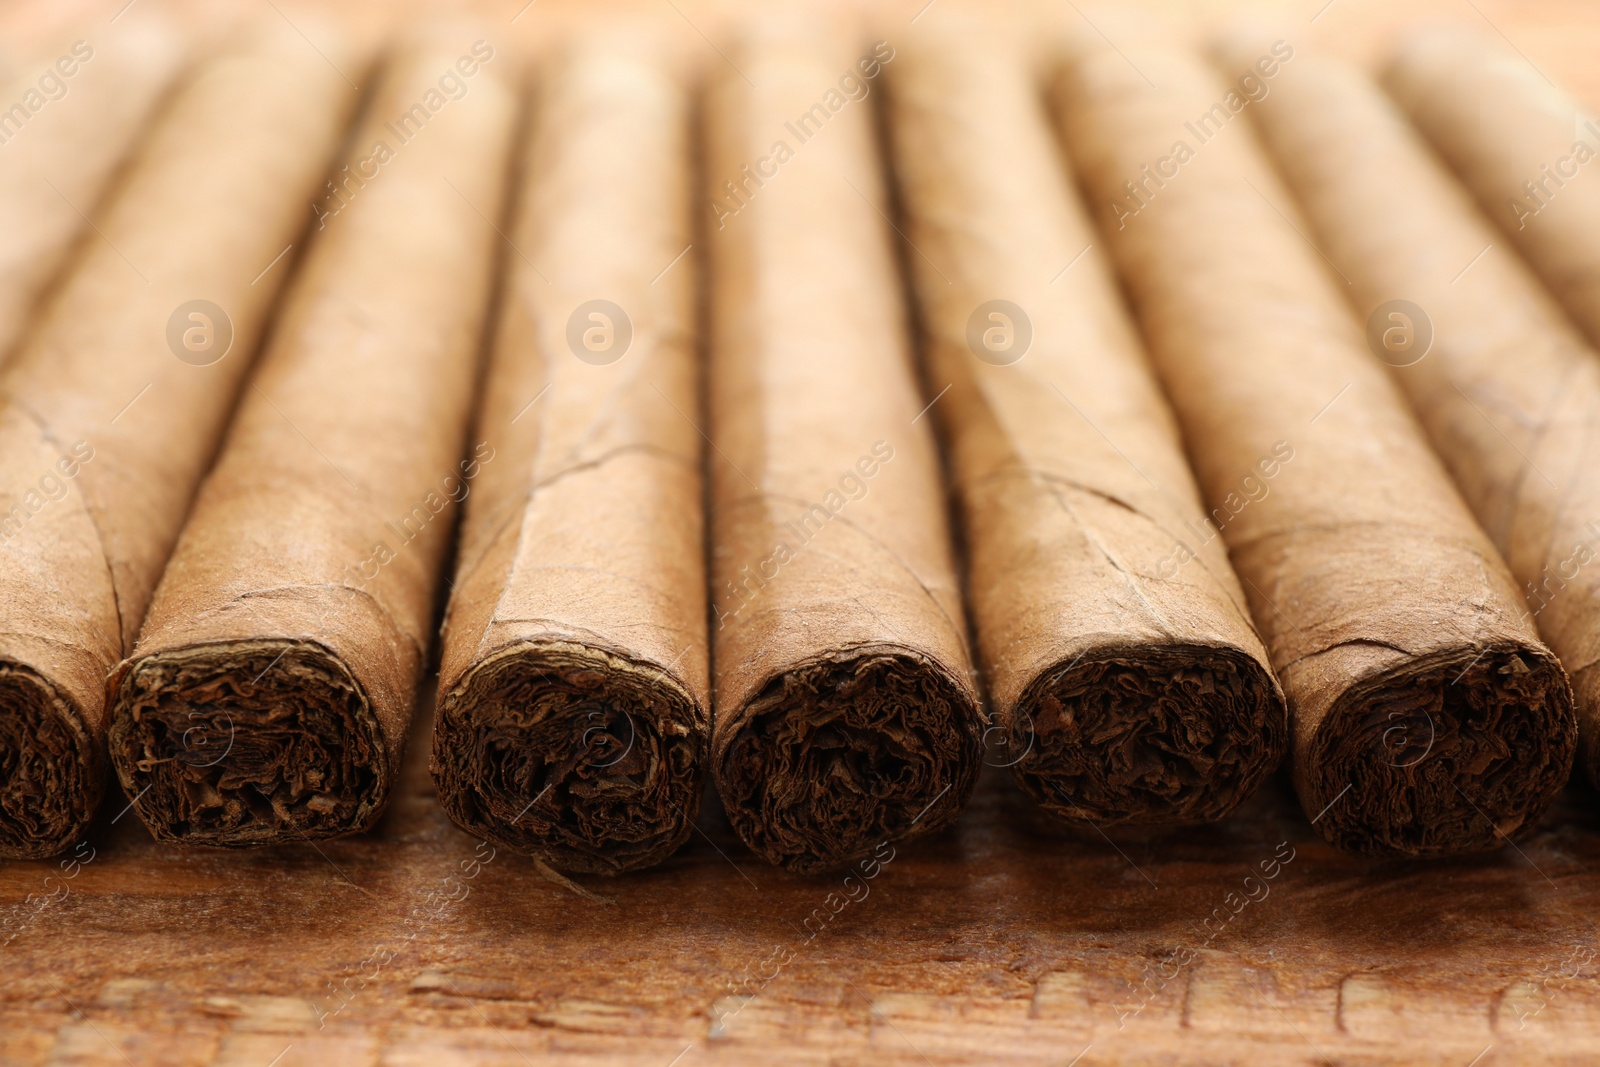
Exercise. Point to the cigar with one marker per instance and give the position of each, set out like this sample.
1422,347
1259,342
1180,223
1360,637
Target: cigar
1506,388
114,405
1524,148
1127,679
1427,718
575,709
75,113
270,691
847,713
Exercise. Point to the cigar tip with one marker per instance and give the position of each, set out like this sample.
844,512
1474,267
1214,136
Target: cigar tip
1171,736
589,759
245,743
840,754
50,772
1442,754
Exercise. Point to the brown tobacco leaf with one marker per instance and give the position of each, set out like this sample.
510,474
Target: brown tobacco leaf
846,704
292,622
1129,684
247,743
106,429
832,757
1367,574
574,710
1472,746
1161,736
563,751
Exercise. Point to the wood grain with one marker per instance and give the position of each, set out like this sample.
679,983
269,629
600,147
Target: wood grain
1002,939
998,940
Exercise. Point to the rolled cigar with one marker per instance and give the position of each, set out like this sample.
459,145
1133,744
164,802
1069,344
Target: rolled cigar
574,715
271,689
1506,387
1116,644
114,405
1524,148
846,712
1427,718
73,115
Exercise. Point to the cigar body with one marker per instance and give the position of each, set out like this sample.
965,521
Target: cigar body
1523,147
846,709
271,689
1505,385
75,114
574,714
1427,718
1117,647
106,428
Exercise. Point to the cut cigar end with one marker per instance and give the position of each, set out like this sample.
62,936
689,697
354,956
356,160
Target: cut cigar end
1451,753
835,756
1172,736
588,760
238,744
50,771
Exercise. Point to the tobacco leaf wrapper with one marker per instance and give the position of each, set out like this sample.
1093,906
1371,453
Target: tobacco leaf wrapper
270,693
1506,387
1523,147
846,708
105,432
575,716
1115,640
1427,718
93,104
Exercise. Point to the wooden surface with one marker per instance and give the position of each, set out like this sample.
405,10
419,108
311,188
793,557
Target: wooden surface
997,940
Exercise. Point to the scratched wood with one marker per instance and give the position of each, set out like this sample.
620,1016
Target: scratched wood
1001,940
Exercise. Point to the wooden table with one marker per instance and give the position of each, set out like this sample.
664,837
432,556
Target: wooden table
999,940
